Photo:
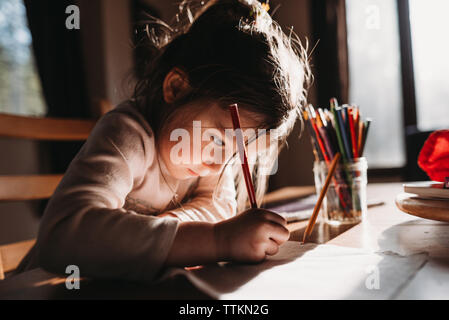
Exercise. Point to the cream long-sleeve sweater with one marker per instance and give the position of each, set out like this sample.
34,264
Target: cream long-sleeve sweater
102,216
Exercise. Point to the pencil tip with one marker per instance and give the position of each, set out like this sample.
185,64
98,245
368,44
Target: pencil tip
334,102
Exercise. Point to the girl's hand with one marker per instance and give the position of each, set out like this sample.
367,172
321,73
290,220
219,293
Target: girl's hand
250,236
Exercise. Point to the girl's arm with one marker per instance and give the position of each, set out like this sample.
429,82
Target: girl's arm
248,237
84,223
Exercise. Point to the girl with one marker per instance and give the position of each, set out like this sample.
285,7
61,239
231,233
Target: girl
126,207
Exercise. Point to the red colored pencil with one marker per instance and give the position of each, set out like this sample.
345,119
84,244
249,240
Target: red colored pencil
361,130
242,152
356,125
318,136
352,131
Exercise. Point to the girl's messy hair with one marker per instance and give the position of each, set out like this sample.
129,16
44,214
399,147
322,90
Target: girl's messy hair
232,52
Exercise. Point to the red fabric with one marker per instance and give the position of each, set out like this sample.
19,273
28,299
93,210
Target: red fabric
434,156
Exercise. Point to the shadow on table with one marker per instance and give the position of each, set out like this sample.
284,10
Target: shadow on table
322,232
416,236
412,244
228,277
38,284
234,275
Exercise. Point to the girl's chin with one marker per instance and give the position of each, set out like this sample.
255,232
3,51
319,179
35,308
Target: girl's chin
192,173
184,174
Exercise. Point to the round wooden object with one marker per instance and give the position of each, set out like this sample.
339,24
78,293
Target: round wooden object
428,209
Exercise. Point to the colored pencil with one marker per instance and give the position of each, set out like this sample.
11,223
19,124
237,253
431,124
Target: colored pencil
356,128
325,128
323,135
331,129
345,116
366,126
338,132
323,192
356,125
242,152
317,135
355,153
360,138
328,156
315,147
343,133
334,102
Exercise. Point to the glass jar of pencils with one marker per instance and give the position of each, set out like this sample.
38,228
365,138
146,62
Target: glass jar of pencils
345,200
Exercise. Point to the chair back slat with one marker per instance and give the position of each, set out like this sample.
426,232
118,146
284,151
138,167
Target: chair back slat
22,188
35,128
36,187
12,254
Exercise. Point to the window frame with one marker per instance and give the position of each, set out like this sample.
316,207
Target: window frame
409,104
407,66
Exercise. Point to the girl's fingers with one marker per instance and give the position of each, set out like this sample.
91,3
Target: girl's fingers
271,216
278,233
272,248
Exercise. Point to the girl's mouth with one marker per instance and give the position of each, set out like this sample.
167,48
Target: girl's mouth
193,173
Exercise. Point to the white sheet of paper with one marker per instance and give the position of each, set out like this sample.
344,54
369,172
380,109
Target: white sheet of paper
310,272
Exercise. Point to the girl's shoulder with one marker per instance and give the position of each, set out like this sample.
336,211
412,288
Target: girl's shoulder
127,114
127,130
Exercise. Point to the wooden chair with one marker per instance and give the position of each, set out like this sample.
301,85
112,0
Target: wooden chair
35,187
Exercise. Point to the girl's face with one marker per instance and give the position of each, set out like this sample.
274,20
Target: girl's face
199,139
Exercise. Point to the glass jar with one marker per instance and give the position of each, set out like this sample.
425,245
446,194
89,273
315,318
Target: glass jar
345,200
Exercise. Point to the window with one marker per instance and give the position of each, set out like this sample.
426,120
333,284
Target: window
375,77
20,88
380,32
429,27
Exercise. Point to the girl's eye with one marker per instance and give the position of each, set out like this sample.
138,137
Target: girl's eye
218,141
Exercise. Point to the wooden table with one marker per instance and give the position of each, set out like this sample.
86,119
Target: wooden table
385,229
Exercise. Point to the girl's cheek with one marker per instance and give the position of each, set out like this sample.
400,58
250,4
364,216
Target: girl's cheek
214,154
177,152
